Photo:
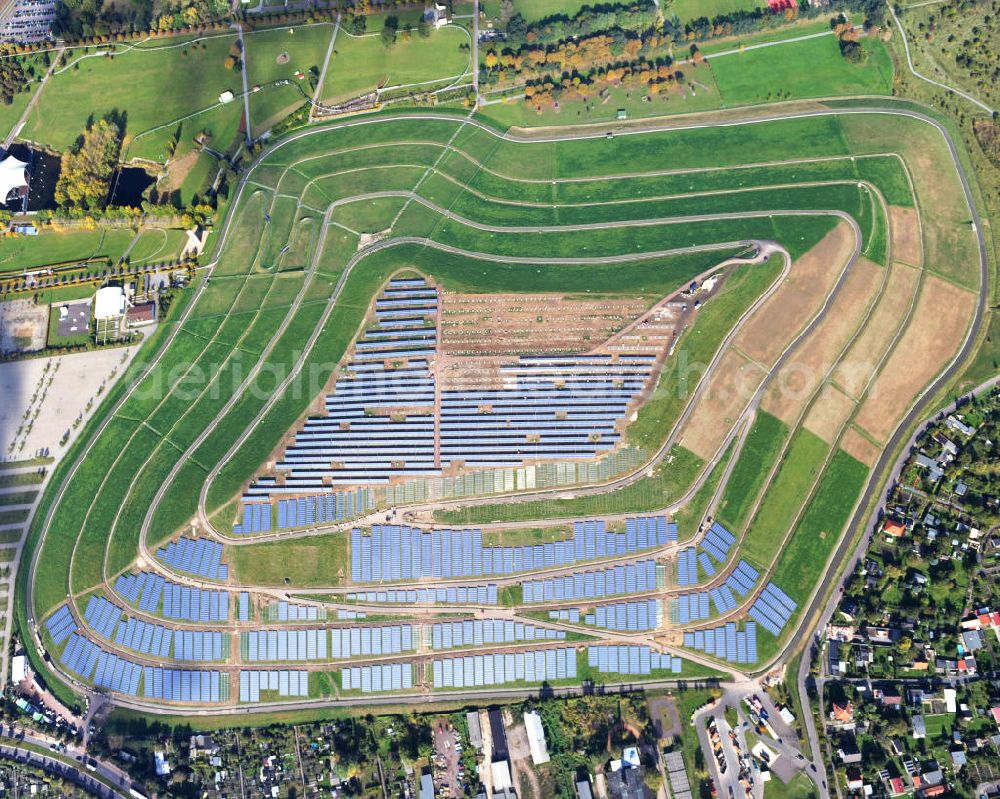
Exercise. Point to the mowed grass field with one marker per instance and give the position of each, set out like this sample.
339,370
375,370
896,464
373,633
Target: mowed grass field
803,69
362,63
688,10
787,70
54,247
533,10
305,48
148,86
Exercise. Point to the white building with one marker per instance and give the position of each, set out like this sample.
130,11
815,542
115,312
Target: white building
19,670
109,303
13,175
536,738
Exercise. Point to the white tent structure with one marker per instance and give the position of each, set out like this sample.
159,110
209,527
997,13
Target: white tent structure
13,175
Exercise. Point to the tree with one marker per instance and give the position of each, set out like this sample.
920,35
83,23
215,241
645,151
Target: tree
506,12
389,30
358,24
85,173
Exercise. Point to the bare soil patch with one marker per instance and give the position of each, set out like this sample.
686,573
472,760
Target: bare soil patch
933,336
857,446
858,365
798,379
178,170
23,326
828,414
904,227
730,387
798,299
511,324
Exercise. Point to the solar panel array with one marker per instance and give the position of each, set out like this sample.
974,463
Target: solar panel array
399,552
453,634
349,615
148,639
772,609
102,616
473,671
631,660
687,567
375,679
80,655
566,614
200,557
348,642
328,508
743,578
548,407
204,645
461,595
722,598
256,519
358,442
278,645
726,642
686,608
180,685
289,611
628,578
243,607
717,542
286,683
61,625
181,602
115,674
627,616
380,420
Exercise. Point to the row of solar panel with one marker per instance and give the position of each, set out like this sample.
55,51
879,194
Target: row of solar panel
566,614
179,685
348,615
278,645
375,679
102,616
348,642
620,579
687,567
627,616
180,602
200,557
479,595
718,541
243,607
686,608
290,611
61,625
256,519
631,660
395,552
743,578
148,639
543,665
286,683
449,635
726,642
722,598
772,609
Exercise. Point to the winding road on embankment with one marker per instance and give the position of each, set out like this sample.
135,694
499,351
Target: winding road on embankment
918,408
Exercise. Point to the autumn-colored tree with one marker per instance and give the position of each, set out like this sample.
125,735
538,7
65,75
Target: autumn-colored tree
85,174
